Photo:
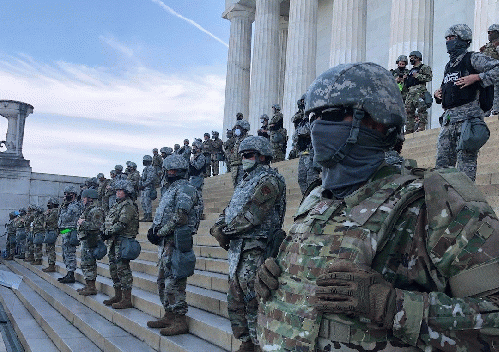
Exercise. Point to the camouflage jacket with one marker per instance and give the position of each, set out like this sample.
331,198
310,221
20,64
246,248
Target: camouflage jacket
278,137
123,219
422,236
157,161
177,209
93,217
197,167
207,147
217,146
255,211
424,75
51,218
488,69
228,148
28,220
109,188
134,178
37,225
235,158
490,49
20,222
148,177
101,190
10,226
69,214
185,151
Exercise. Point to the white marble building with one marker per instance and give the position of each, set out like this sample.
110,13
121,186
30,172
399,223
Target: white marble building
278,47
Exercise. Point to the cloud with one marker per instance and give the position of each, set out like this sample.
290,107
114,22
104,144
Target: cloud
113,43
188,20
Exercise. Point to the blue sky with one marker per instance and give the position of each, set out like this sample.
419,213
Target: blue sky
110,80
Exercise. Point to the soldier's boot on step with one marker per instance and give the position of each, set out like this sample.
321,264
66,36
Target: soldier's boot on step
162,322
115,299
37,262
49,269
69,278
247,346
29,258
177,326
421,127
126,300
89,289
10,257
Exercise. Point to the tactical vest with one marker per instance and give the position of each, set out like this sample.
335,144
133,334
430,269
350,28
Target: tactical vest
69,215
195,172
51,219
411,81
453,95
132,228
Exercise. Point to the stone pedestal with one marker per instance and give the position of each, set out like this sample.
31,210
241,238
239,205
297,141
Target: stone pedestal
237,87
265,63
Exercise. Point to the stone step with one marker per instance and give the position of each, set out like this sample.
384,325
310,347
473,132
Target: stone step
207,331
30,334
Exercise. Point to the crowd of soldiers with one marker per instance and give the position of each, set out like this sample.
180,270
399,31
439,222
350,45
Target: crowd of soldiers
382,256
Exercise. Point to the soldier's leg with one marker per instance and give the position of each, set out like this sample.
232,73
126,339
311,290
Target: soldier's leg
208,170
467,163
113,265
175,293
38,252
123,269
88,263
214,165
410,109
422,114
302,173
237,310
21,242
161,286
50,250
446,147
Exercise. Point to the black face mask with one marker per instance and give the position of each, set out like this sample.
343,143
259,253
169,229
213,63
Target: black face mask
456,47
413,61
68,197
494,35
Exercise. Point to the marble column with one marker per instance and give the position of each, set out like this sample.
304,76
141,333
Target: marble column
237,86
485,14
348,42
265,63
411,29
301,55
283,45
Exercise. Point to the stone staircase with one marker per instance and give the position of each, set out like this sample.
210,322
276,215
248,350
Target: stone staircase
49,316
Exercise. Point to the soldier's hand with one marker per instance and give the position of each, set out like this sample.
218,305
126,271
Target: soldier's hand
217,232
355,290
267,279
438,94
152,235
467,80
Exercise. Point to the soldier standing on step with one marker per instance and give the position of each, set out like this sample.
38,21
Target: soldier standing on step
175,222
165,152
133,176
51,217
20,225
69,212
490,49
121,221
241,130
459,97
101,190
228,146
29,251
89,227
147,185
10,247
217,152
38,228
415,82
245,228
197,167
207,148
278,134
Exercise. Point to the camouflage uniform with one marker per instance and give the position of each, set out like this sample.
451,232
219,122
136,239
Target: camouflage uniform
157,162
490,49
453,118
10,227
51,219
196,171
121,221
278,138
307,171
236,161
420,236
180,198
207,149
397,72
216,154
111,192
134,178
185,151
228,147
254,213
29,246
89,234
38,229
21,233
415,97
147,185
69,212
103,198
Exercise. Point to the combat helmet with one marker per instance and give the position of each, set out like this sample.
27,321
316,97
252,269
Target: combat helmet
197,144
276,107
416,53
100,175
493,28
166,150
243,124
90,193
70,189
124,185
118,168
239,116
53,201
258,144
176,162
207,135
404,58
264,117
133,165
22,211
462,31
215,133
147,158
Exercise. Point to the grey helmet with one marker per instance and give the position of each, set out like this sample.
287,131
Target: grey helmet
239,116
258,144
112,172
53,201
133,165
228,133
90,193
197,144
32,207
147,158
416,53
276,107
403,58
100,175
176,162
243,124
264,117
22,211
166,150
119,168
70,189
215,133
176,146
207,135
128,163
462,31
186,140
155,150
493,28
124,185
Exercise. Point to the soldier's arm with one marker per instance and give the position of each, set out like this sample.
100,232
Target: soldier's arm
125,217
425,74
94,221
254,212
199,162
185,200
488,68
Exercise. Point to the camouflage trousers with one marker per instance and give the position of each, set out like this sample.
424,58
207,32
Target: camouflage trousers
237,174
29,246
68,252
279,153
38,249
241,298
10,246
119,268
215,167
146,201
208,171
170,289
21,241
495,105
88,263
448,155
413,102
50,251
306,172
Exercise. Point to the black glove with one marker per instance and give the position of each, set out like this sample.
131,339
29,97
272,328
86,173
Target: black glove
266,279
217,232
152,236
106,235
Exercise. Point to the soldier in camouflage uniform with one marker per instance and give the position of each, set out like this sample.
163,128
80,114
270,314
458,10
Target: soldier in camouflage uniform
228,146
133,176
217,152
490,49
459,98
185,151
21,233
415,82
165,152
400,74
29,247
38,229
207,148
241,130
109,197
378,260
254,214
147,186
69,212
51,217
89,227
278,135
10,247
122,221
119,173
264,130
101,190
157,160
175,222
197,167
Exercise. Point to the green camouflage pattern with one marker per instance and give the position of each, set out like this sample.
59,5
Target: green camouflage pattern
51,218
463,31
417,234
89,234
119,269
123,219
11,237
278,142
490,49
414,100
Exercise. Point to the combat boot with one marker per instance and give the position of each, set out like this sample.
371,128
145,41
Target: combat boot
37,262
421,127
126,300
69,278
10,257
115,299
89,289
247,346
29,258
162,322
49,269
177,326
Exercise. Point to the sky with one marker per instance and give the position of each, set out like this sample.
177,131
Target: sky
110,80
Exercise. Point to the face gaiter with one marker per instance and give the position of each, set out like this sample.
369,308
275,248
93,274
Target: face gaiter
456,47
358,165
